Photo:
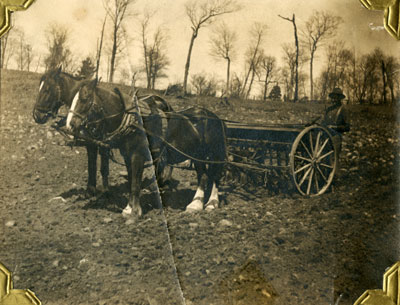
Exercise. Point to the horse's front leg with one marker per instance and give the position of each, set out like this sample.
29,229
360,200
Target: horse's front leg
197,203
135,166
92,169
105,169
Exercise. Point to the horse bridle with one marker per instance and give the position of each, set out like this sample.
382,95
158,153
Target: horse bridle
86,124
53,110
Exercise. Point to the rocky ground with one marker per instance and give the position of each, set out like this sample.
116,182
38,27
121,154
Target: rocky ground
260,247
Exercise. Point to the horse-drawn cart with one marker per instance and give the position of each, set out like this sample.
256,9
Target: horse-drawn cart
307,153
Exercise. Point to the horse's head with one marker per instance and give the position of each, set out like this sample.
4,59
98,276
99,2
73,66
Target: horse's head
82,107
49,98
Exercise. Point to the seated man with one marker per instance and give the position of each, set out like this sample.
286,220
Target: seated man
336,117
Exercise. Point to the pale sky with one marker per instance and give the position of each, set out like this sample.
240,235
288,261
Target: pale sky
361,30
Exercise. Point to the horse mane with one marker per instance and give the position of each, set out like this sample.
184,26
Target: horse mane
74,77
121,97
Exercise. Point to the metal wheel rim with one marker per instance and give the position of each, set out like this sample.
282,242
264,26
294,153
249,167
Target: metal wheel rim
313,159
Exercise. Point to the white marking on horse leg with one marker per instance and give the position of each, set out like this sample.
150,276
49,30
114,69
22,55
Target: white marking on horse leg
41,85
127,211
213,202
197,202
72,109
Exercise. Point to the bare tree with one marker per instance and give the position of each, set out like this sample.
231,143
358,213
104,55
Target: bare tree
158,56
154,51
59,53
222,43
117,10
290,69
320,27
236,85
296,42
269,68
9,46
387,68
204,84
21,51
253,56
337,70
144,25
28,56
392,73
200,15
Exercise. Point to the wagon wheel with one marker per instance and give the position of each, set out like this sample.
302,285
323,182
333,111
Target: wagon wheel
313,160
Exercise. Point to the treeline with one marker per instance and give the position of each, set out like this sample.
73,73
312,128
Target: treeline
371,77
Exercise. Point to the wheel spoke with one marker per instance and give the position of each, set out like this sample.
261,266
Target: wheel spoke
326,165
310,181
322,174
311,143
308,152
305,176
322,147
326,155
316,183
317,143
303,158
302,168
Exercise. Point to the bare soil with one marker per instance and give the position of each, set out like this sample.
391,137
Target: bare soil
262,246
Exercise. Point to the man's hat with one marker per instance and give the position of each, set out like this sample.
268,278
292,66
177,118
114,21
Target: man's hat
337,92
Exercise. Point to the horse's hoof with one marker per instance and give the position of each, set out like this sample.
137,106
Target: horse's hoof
91,191
212,205
131,220
194,206
105,189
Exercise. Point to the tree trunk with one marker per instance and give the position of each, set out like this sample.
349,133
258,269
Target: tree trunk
253,72
100,49
296,40
266,85
108,68
153,81
383,67
21,55
113,55
392,97
187,65
28,60
38,63
311,77
149,69
228,71
146,57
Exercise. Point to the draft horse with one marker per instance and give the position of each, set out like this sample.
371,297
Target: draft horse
57,89
195,133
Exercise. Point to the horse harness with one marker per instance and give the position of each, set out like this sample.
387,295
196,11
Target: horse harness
131,120
52,110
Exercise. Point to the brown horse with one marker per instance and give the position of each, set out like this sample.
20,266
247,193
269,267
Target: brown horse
195,133
56,89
